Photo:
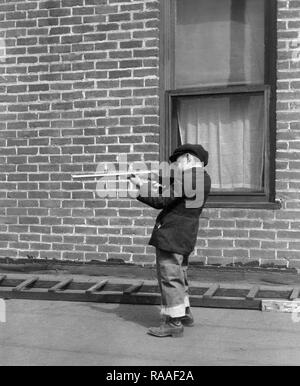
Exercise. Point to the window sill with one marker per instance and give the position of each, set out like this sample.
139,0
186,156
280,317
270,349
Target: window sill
244,205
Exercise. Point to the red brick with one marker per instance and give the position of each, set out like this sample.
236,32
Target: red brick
142,258
223,261
262,254
210,252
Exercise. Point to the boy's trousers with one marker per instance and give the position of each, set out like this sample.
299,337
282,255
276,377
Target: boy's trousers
173,283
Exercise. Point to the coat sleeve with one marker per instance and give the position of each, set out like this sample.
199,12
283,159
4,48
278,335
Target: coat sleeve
160,199
187,187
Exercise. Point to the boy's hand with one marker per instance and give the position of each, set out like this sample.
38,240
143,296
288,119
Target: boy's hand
136,180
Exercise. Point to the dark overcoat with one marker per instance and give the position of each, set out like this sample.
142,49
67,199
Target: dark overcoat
177,225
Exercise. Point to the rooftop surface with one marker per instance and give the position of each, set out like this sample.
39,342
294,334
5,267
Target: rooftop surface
59,333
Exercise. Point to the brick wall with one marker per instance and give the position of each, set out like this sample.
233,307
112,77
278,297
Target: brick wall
79,86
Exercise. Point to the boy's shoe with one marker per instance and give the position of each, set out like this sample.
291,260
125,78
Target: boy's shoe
172,327
188,319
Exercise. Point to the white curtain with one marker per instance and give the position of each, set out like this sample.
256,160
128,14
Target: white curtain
231,129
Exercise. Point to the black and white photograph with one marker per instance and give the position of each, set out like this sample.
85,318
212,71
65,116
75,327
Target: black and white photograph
149,186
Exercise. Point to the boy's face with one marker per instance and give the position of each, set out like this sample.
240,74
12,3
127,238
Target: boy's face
182,162
185,162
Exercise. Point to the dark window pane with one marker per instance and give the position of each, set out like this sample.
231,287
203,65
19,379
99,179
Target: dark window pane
219,42
232,129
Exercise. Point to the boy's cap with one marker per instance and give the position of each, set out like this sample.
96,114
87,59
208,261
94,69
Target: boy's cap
196,150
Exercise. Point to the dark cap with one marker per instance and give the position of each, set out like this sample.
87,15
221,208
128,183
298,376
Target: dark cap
196,150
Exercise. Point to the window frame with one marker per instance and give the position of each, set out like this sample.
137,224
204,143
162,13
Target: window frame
168,94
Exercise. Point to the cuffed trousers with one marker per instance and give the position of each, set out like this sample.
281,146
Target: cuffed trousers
173,283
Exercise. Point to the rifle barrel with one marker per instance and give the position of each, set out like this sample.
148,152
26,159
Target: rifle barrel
101,175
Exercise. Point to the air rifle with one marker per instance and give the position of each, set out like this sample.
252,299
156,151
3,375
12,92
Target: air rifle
103,175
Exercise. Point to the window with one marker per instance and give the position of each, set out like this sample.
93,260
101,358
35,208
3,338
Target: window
218,81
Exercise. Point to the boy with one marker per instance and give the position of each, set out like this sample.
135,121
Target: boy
175,236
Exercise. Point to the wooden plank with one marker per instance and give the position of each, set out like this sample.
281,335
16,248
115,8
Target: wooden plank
97,287
133,288
25,284
76,296
79,285
224,302
203,294
295,294
284,306
197,288
119,298
253,293
211,291
2,278
60,286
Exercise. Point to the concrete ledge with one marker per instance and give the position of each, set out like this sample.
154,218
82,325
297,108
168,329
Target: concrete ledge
245,262
248,274
278,263
228,262
284,306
